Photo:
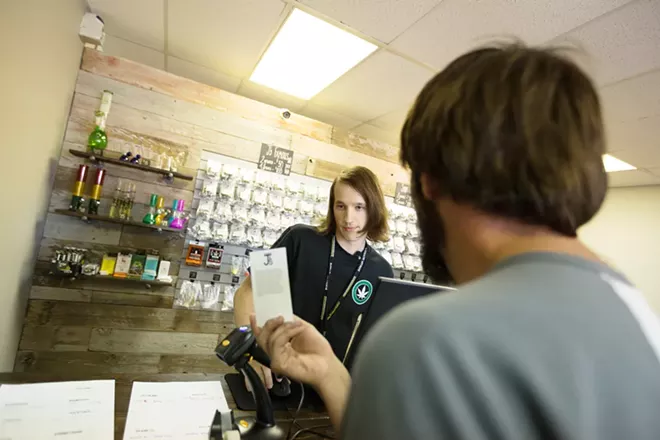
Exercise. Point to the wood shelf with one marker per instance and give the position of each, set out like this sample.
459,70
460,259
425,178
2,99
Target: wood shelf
97,158
147,283
103,218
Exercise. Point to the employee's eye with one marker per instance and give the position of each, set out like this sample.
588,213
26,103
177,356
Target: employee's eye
339,206
359,208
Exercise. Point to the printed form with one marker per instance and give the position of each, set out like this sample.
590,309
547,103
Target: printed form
58,410
173,410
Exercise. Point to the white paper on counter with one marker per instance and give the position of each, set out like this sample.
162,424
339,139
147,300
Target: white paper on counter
173,410
58,410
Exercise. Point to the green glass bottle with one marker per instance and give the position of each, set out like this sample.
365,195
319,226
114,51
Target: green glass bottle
98,140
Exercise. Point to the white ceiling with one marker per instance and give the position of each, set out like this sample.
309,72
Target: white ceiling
219,42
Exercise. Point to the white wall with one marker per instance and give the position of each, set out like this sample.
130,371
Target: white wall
626,233
39,59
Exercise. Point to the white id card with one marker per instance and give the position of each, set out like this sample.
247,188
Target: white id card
269,272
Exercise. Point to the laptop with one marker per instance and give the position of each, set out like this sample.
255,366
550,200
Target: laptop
390,293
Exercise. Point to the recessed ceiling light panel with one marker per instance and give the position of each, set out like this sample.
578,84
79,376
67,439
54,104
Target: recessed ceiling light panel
613,164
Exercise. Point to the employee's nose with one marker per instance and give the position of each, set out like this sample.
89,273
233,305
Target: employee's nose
350,215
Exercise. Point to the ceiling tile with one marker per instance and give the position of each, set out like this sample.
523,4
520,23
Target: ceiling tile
632,178
392,121
636,142
383,20
228,36
322,114
633,98
621,44
202,74
456,26
270,96
381,83
372,132
119,47
142,22
655,171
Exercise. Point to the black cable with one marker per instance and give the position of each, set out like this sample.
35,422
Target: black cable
312,430
295,415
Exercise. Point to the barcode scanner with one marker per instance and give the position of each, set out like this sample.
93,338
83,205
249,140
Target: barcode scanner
236,350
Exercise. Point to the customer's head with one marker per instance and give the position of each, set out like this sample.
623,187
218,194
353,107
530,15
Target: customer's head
357,208
511,132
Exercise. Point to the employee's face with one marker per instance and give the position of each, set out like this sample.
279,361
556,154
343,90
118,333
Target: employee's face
350,212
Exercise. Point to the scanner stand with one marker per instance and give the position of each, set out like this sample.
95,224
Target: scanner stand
236,350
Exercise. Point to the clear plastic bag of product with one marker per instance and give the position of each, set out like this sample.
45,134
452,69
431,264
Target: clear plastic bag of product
399,244
401,227
210,188
394,211
397,260
223,212
210,297
188,295
287,219
310,193
228,189
220,232
273,220
387,256
275,199
417,264
247,176
302,220
321,209
245,266
205,208
228,300
412,230
236,265
391,225
229,172
305,207
237,234
408,262
243,192
201,230
410,215
278,183
240,213
270,237
377,245
255,238
257,216
290,203
259,196
412,247
292,187
213,169
389,244
262,179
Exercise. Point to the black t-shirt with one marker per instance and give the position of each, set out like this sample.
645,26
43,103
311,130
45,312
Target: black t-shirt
308,254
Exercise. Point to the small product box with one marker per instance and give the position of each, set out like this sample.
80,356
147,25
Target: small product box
164,271
123,265
195,254
137,266
150,267
108,264
214,256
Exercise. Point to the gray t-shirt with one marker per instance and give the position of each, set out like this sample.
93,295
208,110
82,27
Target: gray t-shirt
545,346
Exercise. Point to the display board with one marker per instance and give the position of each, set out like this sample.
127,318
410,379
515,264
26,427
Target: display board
238,207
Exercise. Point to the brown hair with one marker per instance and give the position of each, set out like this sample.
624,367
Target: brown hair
513,131
364,181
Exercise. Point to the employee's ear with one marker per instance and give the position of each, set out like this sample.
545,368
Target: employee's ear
430,187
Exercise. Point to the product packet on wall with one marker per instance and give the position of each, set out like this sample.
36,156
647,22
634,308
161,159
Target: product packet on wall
387,256
228,301
247,175
150,267
195,254
214,256
244,192
273,220
188,295
409,262
290,204
205,208
412,230
210,297
397,260
275,199
228,190
108,264
229,172
255,238
277,183
399,244
257,216
270,285
220,232
213,169
262,179
237,234
292,187
210,188
259,197
164,271
137,266
411,246
201,229
123,265
310,193
240,213
270,237
402,227
236,265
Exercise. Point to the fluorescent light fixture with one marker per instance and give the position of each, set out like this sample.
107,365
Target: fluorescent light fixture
307,55
613,164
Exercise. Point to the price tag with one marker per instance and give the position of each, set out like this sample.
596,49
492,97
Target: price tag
402,195
216,277
275,159
192,275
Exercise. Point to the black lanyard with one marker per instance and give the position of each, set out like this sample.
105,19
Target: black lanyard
324,318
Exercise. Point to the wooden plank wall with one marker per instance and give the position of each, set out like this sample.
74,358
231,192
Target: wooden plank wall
108,327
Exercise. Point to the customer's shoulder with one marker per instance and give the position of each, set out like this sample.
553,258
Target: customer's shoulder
377,260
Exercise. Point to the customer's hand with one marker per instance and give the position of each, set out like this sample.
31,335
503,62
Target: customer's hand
264,374
296,349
